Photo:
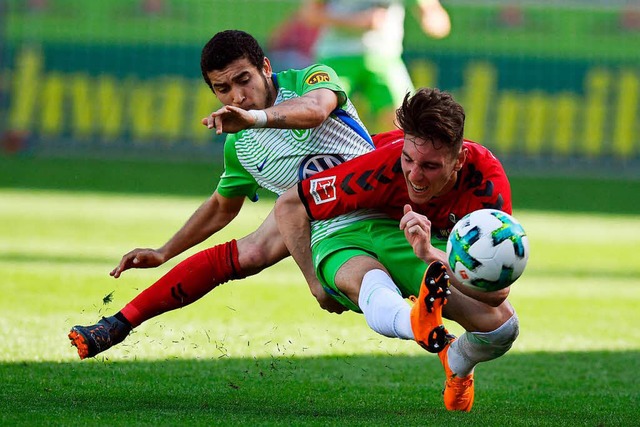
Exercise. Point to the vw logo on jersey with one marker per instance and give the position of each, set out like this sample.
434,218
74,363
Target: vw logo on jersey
300,134
313,164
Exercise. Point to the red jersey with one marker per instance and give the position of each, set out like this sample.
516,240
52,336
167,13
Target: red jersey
375,180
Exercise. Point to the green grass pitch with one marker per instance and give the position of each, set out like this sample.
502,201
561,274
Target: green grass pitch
260,352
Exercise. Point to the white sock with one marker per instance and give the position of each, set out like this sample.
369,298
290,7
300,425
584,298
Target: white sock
475,347
383,306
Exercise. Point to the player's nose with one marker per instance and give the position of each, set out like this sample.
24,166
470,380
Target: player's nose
414,175
238,97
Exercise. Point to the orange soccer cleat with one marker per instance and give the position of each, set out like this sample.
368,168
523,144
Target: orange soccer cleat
458,391
426,313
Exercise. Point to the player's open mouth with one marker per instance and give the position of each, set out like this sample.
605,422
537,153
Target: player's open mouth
418,189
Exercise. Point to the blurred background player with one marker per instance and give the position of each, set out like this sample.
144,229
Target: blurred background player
291,45
260,109
363,41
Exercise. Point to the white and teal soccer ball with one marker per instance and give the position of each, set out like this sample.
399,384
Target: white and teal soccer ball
487,250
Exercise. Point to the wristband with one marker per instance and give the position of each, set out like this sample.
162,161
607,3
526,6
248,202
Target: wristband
261,118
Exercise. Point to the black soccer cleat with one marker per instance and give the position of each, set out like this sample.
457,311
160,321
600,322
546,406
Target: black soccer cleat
94,339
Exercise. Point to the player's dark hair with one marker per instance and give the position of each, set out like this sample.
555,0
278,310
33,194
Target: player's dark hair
433,115
228,46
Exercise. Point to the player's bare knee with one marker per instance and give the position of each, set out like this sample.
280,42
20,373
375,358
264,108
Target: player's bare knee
252,256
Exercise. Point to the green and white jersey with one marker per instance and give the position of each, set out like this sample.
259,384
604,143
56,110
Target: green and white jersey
276,159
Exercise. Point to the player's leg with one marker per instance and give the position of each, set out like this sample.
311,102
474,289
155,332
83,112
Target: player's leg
490,333
368,285
430,283
184,284
491,329
365,280
262,248
199,274
348,269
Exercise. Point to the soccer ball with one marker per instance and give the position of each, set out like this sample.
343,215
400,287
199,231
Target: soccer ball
487,250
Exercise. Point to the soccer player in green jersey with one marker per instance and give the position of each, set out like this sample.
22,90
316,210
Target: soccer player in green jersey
282,127
362,41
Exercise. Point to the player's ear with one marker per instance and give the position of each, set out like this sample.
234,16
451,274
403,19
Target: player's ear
266,67
462,157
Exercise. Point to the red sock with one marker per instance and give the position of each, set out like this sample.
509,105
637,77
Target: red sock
185,283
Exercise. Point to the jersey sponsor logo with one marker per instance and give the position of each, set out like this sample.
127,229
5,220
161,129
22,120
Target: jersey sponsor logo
318,77
323,190
313,164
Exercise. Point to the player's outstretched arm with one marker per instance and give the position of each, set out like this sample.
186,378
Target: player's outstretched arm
213,215
305,112
295,230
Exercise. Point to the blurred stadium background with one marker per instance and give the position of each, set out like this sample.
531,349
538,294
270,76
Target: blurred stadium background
548,85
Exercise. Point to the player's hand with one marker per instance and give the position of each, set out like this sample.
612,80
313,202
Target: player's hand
328,303
229,119
417,231
138,258
435,20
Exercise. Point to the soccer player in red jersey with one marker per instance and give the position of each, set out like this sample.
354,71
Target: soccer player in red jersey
426,177
376,180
